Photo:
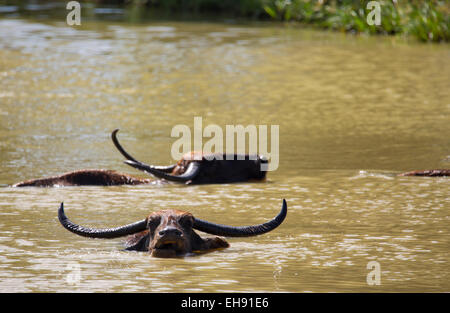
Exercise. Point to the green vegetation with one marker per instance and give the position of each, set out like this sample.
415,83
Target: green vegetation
426,20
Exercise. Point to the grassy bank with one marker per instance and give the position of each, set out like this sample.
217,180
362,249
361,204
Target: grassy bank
425,20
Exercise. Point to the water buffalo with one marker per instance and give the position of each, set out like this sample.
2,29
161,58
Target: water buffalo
199,168
429,173
193,168
170,233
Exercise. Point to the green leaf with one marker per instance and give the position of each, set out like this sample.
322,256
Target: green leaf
270,11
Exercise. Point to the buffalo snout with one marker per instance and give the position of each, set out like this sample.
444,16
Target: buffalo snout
170,231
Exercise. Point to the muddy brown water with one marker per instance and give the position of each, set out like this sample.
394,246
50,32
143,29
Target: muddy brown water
352,112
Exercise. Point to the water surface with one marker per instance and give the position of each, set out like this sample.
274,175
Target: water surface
352,113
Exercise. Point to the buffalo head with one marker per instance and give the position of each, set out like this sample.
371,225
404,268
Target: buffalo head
171,233
199,168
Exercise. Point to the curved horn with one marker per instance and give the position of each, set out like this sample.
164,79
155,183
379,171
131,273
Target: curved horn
100,233
191,172
244,231
165,169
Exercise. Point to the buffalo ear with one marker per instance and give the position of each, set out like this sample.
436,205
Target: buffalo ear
138,242
215,243
200,244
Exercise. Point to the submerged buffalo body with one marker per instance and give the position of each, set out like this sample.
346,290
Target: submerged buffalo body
429,173
193,168
171,233
85,178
